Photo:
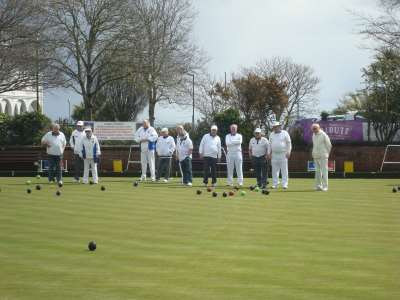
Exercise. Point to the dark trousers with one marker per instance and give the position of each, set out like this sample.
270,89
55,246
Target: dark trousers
261,169
78,167
210,169
55,167
163,167
186,166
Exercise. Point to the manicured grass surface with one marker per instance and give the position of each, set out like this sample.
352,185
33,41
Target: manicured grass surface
161,241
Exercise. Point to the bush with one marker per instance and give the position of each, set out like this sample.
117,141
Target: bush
4,125
26,129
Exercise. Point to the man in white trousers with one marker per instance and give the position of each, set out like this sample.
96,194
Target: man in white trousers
321,149
165,150
90,153
279,153
147,137
74,141
210,152
234,158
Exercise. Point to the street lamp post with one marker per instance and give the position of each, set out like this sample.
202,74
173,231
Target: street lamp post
69,110
191,74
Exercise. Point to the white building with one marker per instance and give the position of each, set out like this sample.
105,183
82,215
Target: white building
18,102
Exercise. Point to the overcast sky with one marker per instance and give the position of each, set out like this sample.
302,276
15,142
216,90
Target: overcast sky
235,33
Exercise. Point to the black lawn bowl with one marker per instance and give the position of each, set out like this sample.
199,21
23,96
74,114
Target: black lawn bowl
91,182
394,190
214,194
29,191
92,246
398,188
38,187
236,188
60,184
224,194
198,192
265,192
252,187
136,184
103,188
58,193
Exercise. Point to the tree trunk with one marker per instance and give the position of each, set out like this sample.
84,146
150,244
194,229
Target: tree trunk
152,106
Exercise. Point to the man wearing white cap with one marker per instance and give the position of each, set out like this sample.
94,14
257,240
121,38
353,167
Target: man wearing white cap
74,141
321,149
165,150
233,142
210,151
258,151
147,137
89,151
279,153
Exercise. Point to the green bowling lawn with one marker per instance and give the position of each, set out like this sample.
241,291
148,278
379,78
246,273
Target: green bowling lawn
162,241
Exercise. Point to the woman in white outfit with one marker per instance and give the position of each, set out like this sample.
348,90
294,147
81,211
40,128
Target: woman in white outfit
279,153
89,151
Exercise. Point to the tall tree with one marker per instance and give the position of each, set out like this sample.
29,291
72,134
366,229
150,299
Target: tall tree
23,57
382,107
164,52
83,33
301,85
259,99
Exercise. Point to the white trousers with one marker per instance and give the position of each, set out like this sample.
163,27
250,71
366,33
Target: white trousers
321,173
148,158
235,161
279,164
89,163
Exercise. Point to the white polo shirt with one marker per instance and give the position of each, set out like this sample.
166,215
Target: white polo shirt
234,143
259,147
57,143
280,142
210,146
183,145
165,146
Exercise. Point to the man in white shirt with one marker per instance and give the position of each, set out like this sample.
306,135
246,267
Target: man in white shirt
184,150
89,149
74,141
258,151
210,152
234,158
147,137
165,149
321,149
279,153
55,144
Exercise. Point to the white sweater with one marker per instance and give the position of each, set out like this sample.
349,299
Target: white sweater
150,134
321,145
280,142
234,143
165,146
89,148
210,146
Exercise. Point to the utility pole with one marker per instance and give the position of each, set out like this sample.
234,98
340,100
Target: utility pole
37,75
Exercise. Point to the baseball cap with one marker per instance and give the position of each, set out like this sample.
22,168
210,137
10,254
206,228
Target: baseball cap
79,123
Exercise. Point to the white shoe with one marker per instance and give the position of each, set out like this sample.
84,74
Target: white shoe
189,184
143,178
153,180
285,187
60,182
318,188
325,189
214,185
273,187
165,181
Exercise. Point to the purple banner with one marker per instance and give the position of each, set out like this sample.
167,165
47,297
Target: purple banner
351,131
